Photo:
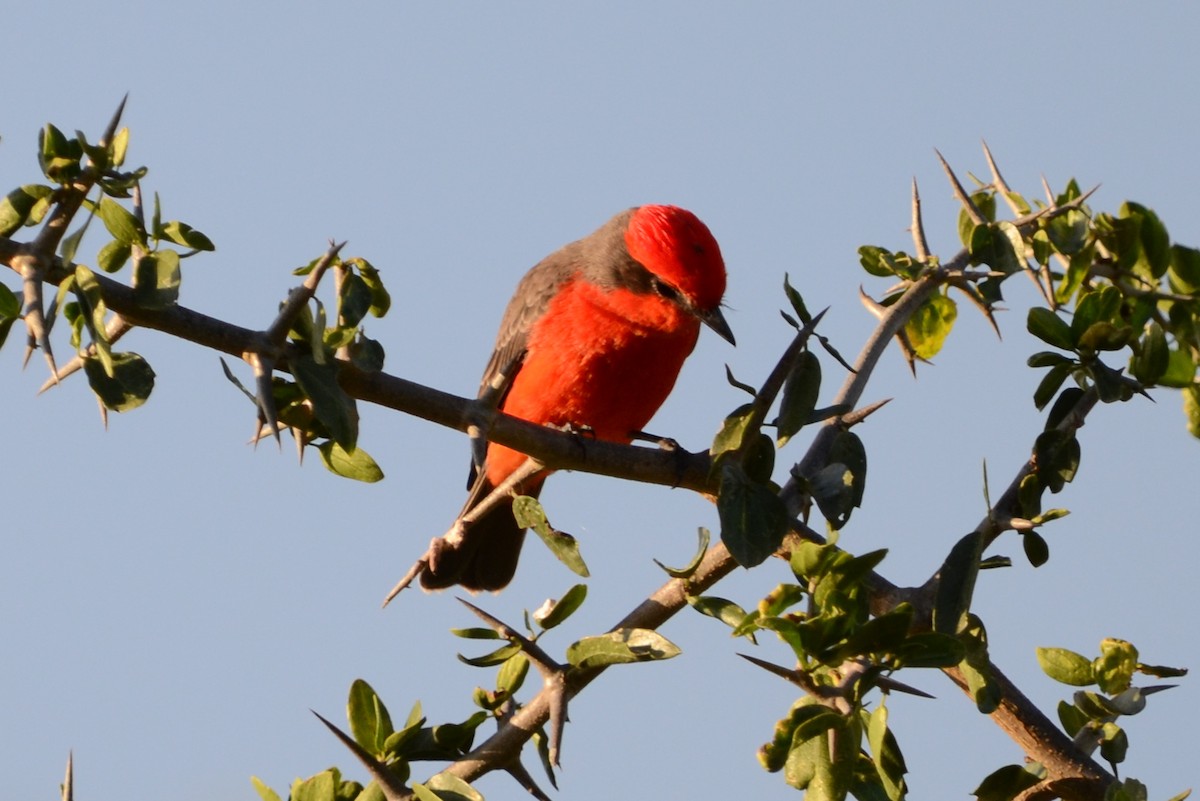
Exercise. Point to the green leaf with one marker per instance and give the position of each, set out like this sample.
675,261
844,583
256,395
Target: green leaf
10,311
493,658
354,300
930,649
512,674
733,430
680,572
1050,328
997,245
572,599
823,765
1153,355
127,388
876,261
956,584
1056,454
929,326
58,156
1068,232
885,753
1181,370
753,518
758,458
1066,667
370,723
529,514
1078,268
1191,410
1113,744
1071,718
92,312
797,302
476,633
831,489
784,596
1037,550
331,405
113,256
321,787
1065,404
423,793
381,301
1105,336
1115,666
733,382
1184,273
366,354
722,609
264,792
620,647
120,222
800,392
355,464
17,207
183,234
981,686
882,634
398,742
1099,305
1051,382
1008,782
156,279
1047,358
1154,251
118,148
449,787
773,755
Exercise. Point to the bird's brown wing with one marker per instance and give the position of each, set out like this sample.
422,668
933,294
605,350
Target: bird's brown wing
528,303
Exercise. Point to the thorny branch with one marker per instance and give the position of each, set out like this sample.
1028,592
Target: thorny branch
556,450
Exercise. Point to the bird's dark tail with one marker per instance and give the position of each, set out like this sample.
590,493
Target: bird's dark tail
486,557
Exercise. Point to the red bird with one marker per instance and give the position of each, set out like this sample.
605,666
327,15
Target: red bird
598,332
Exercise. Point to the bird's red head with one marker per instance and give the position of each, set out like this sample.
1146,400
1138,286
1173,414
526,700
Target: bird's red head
673,244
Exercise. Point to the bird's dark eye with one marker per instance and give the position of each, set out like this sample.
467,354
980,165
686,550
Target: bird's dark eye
665,290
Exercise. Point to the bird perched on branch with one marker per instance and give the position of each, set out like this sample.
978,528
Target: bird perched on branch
593,338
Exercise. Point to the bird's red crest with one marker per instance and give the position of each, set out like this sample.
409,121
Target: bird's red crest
673,244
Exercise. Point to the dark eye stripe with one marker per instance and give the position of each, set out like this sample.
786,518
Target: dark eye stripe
665,290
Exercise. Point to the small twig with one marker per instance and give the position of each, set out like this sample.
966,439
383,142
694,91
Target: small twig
966,285
116,327
553,677
276,333
999,182
393,790
920,244
32,278
878,310
68,787
764,399
798,677
857,416
1049,194
960,193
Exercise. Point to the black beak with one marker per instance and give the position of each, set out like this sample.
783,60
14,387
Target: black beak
716,321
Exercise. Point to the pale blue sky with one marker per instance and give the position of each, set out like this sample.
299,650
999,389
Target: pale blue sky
176,601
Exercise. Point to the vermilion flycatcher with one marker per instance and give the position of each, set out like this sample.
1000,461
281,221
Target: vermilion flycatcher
594,338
